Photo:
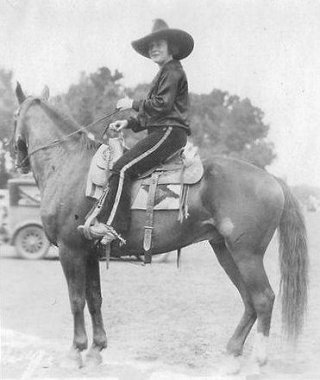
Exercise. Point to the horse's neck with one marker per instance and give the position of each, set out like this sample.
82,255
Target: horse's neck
51,162
53,158
64,124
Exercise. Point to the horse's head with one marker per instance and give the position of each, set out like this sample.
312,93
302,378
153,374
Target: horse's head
19,141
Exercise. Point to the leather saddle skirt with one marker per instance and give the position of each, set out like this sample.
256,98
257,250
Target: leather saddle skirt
184,167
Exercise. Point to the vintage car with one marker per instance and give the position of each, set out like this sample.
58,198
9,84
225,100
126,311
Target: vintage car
25,228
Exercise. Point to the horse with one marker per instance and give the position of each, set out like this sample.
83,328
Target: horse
236,206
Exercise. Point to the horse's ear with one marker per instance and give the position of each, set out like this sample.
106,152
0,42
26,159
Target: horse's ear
20,95
45,93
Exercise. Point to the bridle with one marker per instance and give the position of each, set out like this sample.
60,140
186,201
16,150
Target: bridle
25,161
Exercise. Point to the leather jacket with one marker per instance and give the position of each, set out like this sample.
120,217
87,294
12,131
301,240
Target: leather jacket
167,103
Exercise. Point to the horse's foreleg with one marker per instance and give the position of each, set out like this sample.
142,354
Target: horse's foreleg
94,301
235,344
74,266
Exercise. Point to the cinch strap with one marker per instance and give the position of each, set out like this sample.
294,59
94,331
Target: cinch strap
147,241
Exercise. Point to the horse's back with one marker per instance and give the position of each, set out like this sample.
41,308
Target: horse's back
239,177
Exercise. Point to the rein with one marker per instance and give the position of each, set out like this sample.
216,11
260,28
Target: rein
65,138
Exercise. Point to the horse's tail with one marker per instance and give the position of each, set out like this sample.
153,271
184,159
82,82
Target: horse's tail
294,264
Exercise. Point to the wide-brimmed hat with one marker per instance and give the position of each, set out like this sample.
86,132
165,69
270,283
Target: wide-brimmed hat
179,38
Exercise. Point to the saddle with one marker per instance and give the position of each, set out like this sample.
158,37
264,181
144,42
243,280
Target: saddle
184,167
174,176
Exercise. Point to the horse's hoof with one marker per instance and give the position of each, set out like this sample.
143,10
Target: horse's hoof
259,353
93,358
251,368
230,365
73,360
261,360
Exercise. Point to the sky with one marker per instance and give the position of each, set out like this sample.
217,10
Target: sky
264,50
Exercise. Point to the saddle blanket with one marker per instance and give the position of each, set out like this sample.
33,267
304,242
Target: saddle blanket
167,197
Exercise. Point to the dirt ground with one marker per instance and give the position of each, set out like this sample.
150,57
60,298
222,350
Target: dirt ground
162,323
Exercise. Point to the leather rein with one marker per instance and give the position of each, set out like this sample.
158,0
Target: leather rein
65,138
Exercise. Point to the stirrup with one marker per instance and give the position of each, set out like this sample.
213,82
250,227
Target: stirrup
111,235
107,233
85,232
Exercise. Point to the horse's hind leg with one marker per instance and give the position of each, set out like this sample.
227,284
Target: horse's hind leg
250,265
236,342
94,301
74,266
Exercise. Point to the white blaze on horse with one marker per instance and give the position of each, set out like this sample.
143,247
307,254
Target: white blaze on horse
236,206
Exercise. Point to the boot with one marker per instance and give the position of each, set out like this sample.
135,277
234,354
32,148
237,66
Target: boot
101,231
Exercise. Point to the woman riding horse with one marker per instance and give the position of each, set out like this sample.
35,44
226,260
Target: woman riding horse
236,207
164,113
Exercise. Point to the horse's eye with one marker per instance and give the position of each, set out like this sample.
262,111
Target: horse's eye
21,145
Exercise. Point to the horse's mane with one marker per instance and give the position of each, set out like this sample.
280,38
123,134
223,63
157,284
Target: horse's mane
68,124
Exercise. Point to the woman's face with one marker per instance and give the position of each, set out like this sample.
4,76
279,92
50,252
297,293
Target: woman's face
159,52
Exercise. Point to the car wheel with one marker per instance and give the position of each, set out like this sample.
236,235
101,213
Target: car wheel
31,243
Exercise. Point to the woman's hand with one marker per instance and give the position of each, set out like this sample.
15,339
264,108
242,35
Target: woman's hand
118,125
124,104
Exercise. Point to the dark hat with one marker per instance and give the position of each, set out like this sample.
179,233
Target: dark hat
182,40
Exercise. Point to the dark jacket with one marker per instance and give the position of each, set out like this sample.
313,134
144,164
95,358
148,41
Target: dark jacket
167,103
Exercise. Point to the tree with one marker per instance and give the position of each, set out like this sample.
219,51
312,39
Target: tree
4,174
225,124
221,123
7,108
94,96
7,104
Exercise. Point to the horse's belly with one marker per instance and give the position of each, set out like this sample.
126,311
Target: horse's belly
168,232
